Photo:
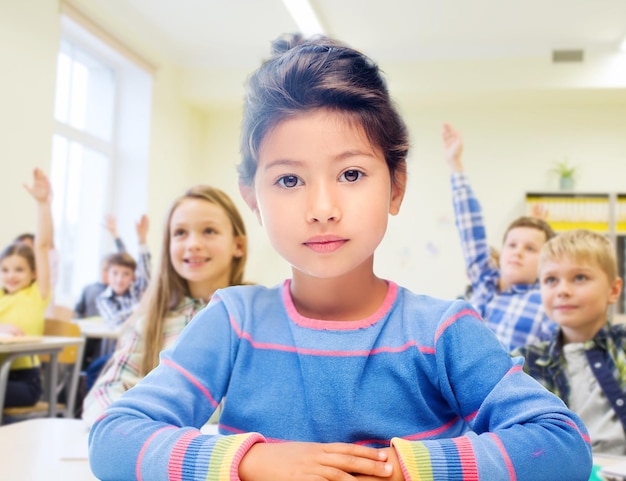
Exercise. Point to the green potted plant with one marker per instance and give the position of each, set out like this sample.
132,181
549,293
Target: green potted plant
566,173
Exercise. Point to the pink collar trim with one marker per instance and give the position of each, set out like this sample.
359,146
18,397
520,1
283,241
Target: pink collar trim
392,293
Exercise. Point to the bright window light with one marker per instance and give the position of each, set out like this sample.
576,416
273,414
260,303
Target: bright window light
622,47
304,16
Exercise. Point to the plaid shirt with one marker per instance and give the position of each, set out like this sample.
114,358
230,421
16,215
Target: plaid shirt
123,371
516,314
546,363
115,309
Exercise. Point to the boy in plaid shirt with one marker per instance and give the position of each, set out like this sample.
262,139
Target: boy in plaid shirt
506,296
127,279
584,363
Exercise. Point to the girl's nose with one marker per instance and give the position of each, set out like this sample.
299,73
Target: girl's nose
323,205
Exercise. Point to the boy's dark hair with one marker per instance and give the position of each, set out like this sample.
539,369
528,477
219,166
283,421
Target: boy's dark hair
123,259
25,236
302,76
532,222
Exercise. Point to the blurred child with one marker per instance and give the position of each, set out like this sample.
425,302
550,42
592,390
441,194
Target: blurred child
86,305
127,280
335,374
204,249
584,363
25,294
505,293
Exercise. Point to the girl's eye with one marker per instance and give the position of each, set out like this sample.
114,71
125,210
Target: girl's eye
351,175
549,280
289,181
210,230
580,277
178,232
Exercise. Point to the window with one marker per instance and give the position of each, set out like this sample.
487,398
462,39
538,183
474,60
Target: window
101,137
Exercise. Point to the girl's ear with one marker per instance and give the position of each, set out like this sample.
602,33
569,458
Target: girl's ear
249,196
239,243
398,187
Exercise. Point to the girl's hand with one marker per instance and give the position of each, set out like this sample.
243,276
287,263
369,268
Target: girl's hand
11,330
296,461
142,228
453,147
41,189
396,474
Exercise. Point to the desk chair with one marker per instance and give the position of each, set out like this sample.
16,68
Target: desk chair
69,361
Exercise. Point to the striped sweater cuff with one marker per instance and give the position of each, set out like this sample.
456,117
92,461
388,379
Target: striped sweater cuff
210,458
451,459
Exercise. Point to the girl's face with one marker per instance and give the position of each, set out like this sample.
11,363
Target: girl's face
202,246
15,273
323,193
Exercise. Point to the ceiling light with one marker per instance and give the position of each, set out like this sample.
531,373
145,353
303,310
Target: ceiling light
304,16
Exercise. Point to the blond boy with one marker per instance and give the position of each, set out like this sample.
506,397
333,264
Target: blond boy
585,361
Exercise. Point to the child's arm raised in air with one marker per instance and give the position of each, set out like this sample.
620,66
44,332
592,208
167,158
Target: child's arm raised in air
110,223
41,191
143,264
453,146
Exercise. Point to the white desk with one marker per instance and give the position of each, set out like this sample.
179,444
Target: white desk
45,449
45,345
96,328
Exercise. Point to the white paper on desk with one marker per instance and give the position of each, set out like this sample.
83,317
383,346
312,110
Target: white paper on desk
78,450
614,472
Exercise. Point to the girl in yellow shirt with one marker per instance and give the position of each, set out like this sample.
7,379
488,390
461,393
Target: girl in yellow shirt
25,294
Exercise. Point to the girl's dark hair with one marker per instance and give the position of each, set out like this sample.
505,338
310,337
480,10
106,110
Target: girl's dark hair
320,73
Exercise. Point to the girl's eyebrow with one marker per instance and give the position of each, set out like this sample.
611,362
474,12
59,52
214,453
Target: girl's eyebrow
348,154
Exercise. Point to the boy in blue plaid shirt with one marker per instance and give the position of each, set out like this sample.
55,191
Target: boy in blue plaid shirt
584,363
506,295
127,280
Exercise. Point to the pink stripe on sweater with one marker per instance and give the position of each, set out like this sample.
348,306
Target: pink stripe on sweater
467,458
177,458
318,352
505,456
453,319
192,380
143,449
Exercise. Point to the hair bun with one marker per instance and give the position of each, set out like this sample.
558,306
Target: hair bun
286,42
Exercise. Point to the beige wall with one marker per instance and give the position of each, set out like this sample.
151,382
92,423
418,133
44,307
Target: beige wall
28,48
511,140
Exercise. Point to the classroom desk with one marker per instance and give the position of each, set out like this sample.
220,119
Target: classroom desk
45,449
51,345
96,328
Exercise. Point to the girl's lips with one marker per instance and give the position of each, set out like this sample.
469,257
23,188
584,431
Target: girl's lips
325,244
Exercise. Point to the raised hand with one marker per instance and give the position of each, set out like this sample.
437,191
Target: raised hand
110,223
453,148
296,461
142,228
40,189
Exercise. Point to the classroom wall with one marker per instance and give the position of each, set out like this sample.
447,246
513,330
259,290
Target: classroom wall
29,40
511,138
29,32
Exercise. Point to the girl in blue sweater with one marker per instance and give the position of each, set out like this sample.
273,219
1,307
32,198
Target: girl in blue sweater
335,374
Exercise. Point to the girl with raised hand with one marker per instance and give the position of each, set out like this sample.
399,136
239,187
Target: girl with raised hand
25,294
335,374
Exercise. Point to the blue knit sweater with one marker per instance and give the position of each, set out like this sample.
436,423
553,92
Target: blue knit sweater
424,375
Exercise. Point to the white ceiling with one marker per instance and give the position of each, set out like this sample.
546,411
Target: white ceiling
417,35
